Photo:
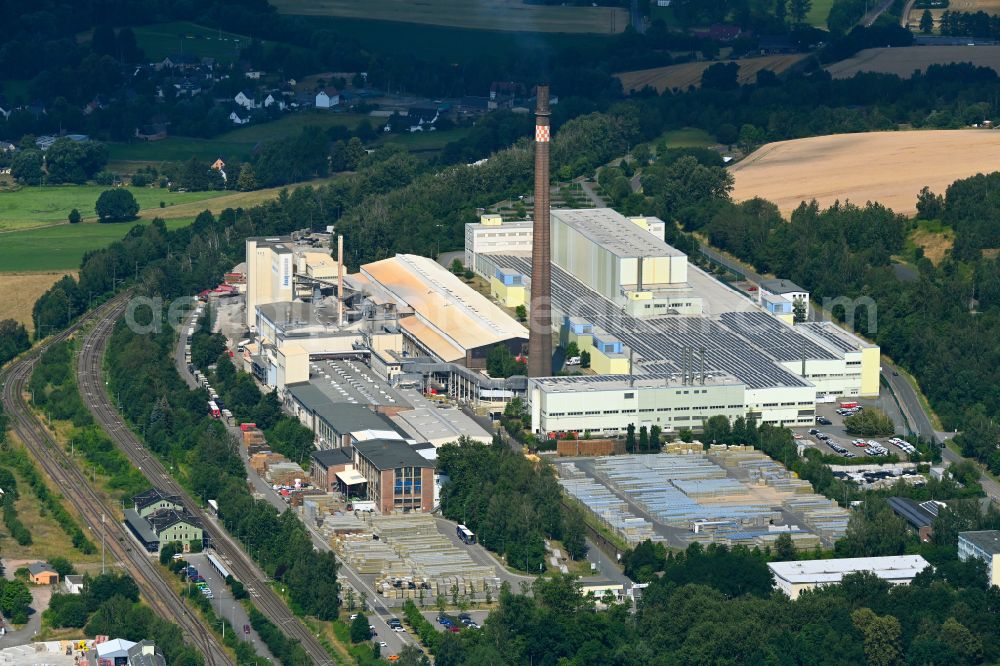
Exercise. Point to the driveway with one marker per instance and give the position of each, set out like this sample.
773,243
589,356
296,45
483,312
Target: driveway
40,596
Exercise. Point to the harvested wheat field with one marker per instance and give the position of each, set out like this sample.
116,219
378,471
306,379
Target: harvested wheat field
888,167
21,290
988,6
473,14
689,73
903,61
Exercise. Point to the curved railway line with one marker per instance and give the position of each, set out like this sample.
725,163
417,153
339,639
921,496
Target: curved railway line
92,388
71,481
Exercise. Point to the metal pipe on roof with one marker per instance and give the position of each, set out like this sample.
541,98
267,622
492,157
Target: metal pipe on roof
340,279
702,350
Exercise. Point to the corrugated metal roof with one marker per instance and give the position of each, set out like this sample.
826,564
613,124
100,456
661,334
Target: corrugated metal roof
434,341
458,313
899,567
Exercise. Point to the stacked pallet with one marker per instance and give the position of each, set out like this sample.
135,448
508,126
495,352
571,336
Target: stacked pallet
261,461
823,516
285,473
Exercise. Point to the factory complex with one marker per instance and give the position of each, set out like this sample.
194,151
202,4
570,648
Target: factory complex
668,344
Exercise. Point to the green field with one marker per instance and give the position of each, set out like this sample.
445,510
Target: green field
818,13
162,39
235,145
62,247
453,44
426,141
689,137
39,206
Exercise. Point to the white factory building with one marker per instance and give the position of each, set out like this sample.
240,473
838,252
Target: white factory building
654,326
793,578
439,315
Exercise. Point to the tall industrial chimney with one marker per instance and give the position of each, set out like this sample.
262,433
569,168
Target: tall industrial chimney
540,323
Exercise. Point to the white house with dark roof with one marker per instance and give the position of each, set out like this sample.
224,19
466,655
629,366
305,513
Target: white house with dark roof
327,98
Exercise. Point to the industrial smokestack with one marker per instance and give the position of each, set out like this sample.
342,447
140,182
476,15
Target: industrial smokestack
340,280
540,323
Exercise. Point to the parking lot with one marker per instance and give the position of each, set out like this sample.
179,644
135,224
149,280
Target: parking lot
223,602
476,616
839,436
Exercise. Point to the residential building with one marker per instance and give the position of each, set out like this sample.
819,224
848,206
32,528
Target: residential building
245,98
398,478
327,98
153,500
793,578
984,545
42,573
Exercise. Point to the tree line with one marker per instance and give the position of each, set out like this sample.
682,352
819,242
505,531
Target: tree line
715,605
109,605
512,505
178,429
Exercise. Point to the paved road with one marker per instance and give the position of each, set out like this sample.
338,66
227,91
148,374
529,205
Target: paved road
223,602
378,611
40,596
590,192
868,19
480,555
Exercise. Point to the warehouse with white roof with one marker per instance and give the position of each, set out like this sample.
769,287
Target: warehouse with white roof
441,316
793,578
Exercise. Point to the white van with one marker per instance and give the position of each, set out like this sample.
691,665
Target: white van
573,360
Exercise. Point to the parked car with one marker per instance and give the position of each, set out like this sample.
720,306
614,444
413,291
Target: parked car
822,420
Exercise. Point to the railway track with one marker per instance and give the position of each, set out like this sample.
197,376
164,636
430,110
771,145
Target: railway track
73,484
91,384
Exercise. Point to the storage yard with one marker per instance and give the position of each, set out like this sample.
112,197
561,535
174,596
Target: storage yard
727,495
406,555
887,167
